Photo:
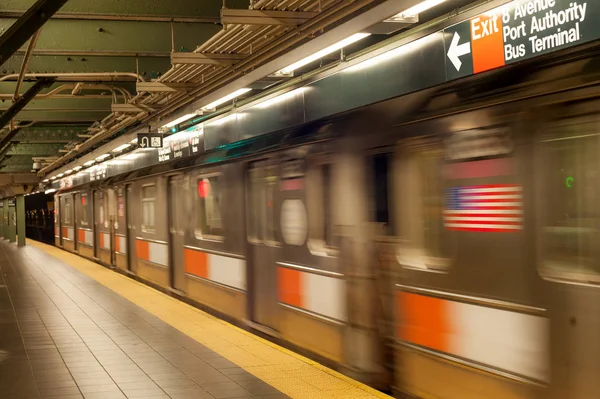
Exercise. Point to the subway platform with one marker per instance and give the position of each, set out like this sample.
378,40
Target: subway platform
70,328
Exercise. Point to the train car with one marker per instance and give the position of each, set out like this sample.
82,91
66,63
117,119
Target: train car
441,244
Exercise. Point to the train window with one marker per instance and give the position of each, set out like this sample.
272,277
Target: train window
83,217
68,210
570,173
380,194
149,208
419,186
318,199
208,207
261,197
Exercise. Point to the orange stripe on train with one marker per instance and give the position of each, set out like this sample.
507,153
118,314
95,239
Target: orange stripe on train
196,263
425,320
81,236
142,250
289,286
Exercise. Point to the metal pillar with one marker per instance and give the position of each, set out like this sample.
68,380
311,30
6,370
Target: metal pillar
21,220
12,220
5,219
2,209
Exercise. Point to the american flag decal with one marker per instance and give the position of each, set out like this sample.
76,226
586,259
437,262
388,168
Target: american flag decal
493,208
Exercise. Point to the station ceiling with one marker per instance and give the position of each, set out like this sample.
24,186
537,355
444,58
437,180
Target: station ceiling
83,71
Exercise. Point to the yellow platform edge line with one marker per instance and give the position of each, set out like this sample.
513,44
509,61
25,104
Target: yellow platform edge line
65,257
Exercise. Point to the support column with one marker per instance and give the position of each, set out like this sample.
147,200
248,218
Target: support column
21,220
12,220
2,219
5,219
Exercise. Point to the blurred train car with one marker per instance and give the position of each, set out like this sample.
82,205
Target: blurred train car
444,243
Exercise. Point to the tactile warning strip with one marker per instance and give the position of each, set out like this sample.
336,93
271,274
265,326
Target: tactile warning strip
288,372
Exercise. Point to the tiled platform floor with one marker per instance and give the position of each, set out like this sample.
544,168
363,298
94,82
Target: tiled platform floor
64,335
70,328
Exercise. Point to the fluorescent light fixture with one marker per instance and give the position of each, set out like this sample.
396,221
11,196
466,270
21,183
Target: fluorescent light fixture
60,175
121,147
53,178
134,141
68,171
419,8
101,157
388,55
76,168
89,163
280,98
228,97
50,191
322,53
46,180
179,120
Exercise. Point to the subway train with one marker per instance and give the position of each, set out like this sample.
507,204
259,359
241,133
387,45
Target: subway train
443,244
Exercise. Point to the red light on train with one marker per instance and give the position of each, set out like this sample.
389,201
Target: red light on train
82,201
203,188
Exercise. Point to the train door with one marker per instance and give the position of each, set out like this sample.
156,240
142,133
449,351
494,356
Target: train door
131,253
262,242
177,219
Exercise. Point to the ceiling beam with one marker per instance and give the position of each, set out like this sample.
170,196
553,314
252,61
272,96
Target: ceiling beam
49,134
29,23
134,108
231,16
23,101
114,17
35,150
101,53
206,58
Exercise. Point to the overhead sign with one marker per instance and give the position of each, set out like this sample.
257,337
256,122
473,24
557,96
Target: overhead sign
518,31
11,202
150,140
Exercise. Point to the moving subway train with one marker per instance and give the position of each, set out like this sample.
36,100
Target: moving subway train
441,244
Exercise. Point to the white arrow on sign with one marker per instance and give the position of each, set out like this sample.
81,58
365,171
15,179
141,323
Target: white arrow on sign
145,142
458,50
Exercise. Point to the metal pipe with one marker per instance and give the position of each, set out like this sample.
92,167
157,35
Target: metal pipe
25,63
96,53
94,76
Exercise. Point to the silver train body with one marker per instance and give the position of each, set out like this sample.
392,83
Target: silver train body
443,244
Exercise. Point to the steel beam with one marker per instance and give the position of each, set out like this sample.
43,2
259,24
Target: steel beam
206,58
231,16
34,150
24,100
164,87
29,23
77,16
50,134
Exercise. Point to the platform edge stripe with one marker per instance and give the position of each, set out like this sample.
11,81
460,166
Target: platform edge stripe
93,270
325,295
227,271
158,253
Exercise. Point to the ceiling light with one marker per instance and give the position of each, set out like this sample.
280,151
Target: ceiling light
134,141
121,147
53,178
228,97
320,54
417,9
179,120
89,163
60,175
68,171
76,168
50,191
46,180
102,157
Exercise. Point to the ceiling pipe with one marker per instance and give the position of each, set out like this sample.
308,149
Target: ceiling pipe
29,95
25,63
55,93
83,76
